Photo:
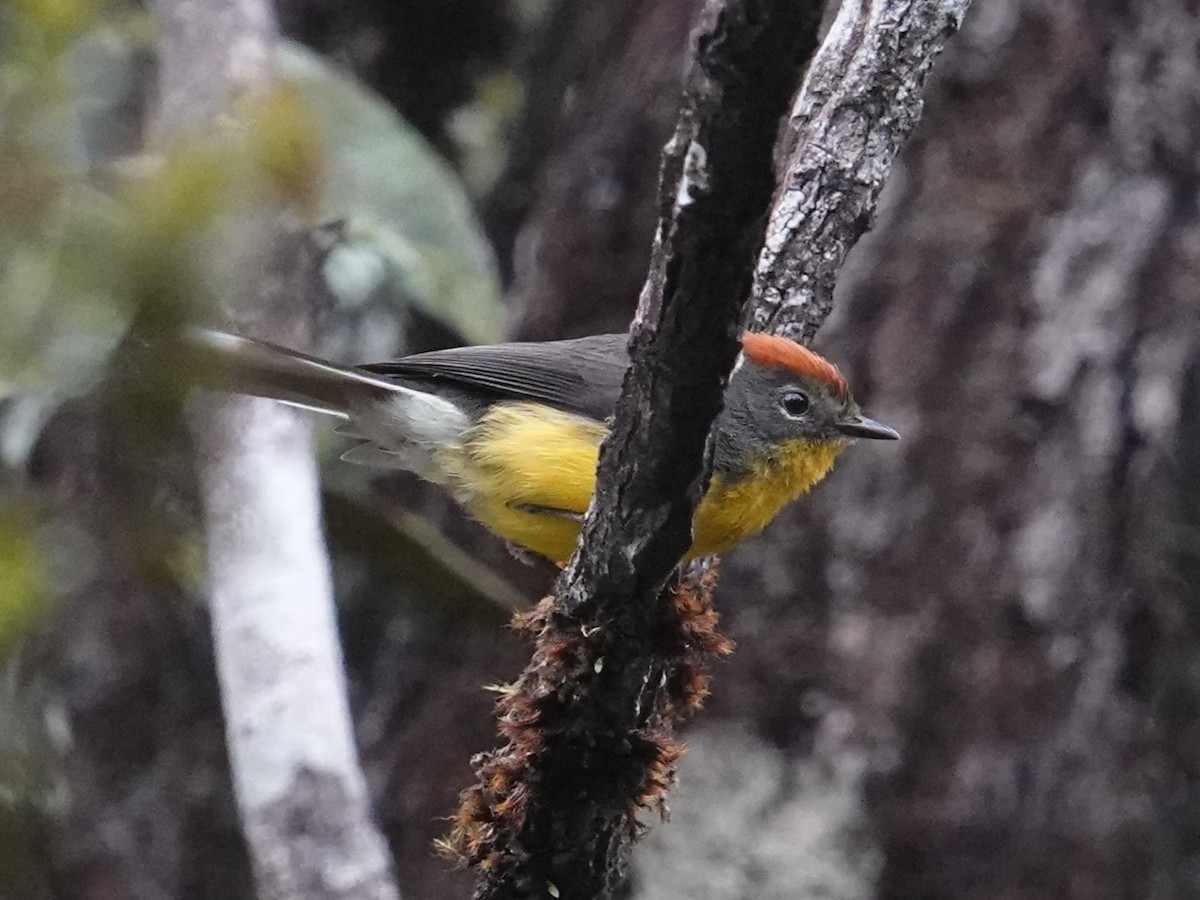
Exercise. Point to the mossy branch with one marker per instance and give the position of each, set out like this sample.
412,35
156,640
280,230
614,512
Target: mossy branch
618,650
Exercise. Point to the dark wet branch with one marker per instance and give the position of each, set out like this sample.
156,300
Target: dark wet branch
589,722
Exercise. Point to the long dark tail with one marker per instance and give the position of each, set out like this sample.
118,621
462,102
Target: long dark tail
228,362
403,426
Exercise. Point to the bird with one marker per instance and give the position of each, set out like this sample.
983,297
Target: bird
513,430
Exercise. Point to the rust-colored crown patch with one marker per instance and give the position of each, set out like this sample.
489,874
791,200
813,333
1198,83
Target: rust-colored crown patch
770,350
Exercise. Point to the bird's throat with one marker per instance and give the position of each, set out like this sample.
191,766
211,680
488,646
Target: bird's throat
738,506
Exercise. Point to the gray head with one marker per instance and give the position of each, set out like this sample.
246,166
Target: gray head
781,392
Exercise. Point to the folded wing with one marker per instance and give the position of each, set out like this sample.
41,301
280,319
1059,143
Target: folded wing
581,376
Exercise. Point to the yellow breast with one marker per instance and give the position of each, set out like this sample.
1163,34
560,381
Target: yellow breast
527,472
733,510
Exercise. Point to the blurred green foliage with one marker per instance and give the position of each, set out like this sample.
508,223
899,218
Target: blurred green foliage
97,228
23,582
43,328
93,227
101,229
88,239
39,167
480,126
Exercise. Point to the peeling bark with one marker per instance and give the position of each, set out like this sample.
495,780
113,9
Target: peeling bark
860,101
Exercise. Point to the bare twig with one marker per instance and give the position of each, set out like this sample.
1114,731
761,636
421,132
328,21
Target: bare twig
300,790
860,101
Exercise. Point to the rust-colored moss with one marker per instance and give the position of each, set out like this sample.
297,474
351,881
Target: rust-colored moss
561,725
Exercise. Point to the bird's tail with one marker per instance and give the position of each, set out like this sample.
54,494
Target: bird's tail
228,362
403,426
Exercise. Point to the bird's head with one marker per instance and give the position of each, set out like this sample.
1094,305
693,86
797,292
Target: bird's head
782,399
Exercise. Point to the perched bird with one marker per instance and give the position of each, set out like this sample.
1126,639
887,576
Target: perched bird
514,430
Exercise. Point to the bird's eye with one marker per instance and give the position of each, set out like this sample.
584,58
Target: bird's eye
795,404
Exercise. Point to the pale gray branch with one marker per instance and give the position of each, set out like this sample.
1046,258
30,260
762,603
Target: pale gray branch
300,790
860,101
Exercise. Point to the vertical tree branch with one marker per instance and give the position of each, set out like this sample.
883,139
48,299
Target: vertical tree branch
590,719
300,791
616,663
860,101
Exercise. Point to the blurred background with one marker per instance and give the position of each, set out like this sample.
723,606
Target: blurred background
967,665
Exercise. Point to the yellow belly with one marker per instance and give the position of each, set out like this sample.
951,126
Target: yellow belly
523,461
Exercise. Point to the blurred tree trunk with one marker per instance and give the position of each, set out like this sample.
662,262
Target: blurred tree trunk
424,57
583,172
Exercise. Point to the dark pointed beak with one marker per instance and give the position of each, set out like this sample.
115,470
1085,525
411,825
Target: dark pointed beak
862,427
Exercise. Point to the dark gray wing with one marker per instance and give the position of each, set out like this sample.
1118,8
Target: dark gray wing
582,375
